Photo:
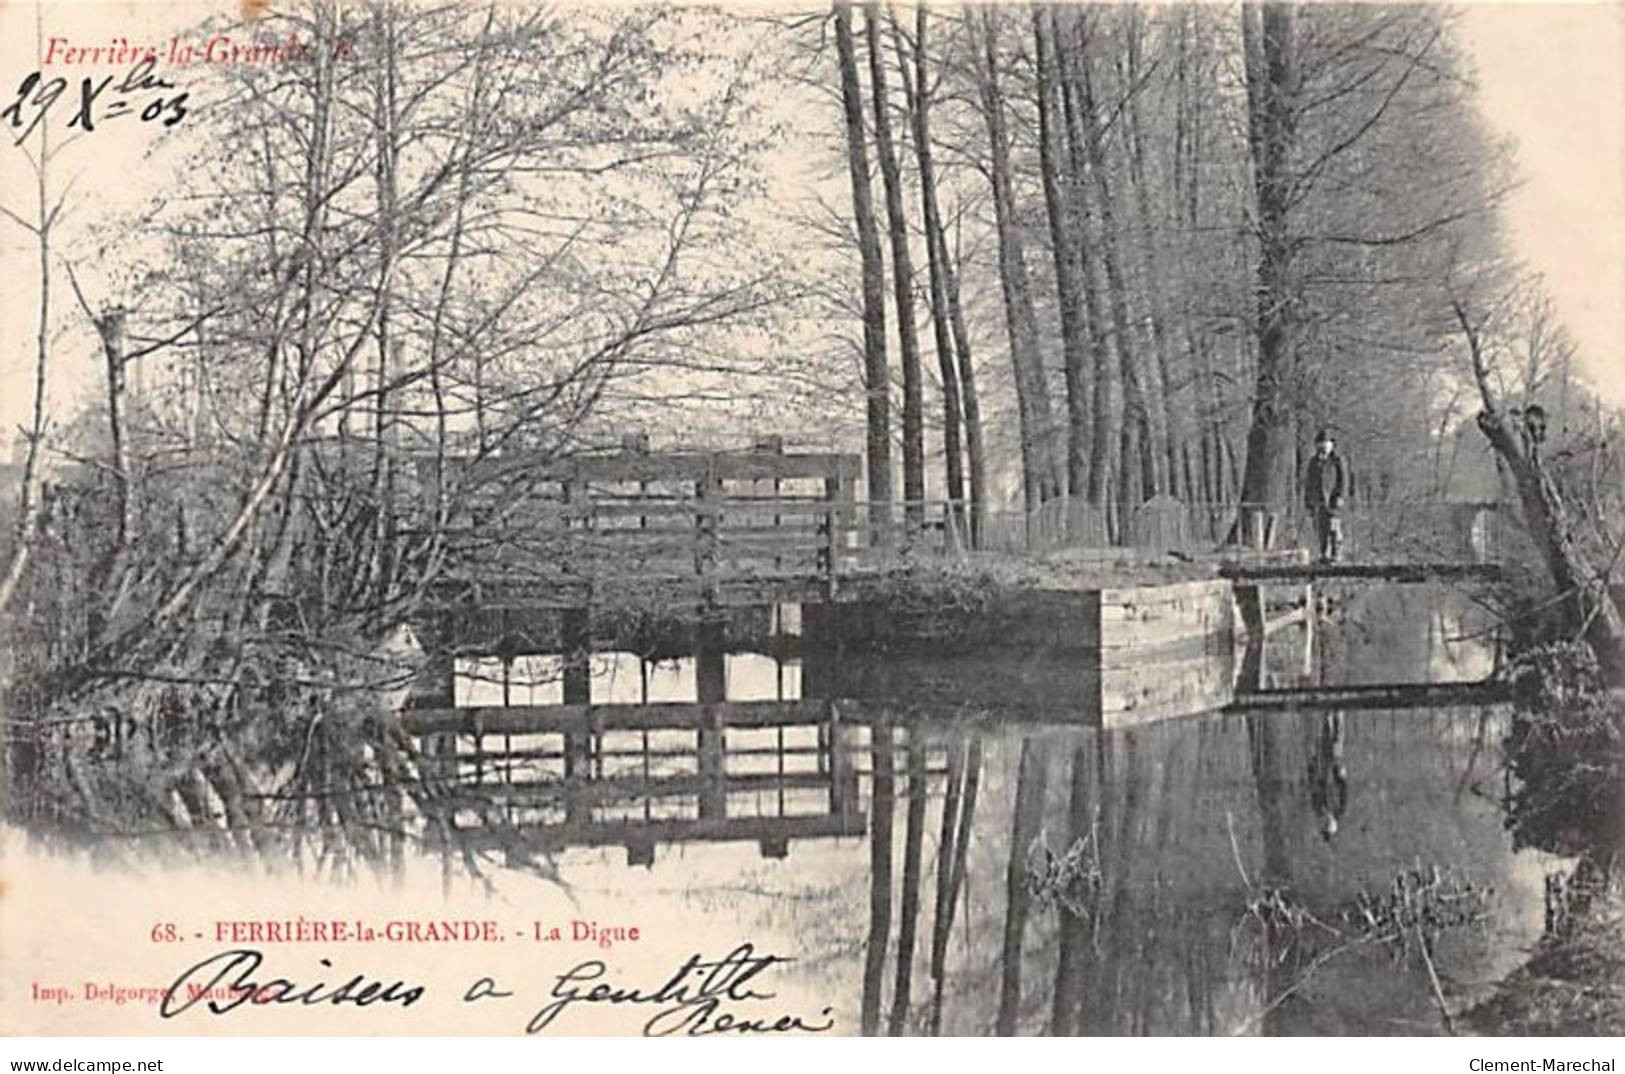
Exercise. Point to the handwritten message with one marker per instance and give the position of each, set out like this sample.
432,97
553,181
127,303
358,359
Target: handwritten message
701,996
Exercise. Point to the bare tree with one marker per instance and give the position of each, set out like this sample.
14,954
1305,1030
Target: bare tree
1066,240
876,378
1042,477
1582,589
383,272
908,339
46,212
918,91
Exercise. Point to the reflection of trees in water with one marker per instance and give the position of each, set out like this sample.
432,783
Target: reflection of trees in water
1184,823
1403,634
1179,824
882,804
299,758
1158,948
1565,752
271,757
958,821
1032,780
913,841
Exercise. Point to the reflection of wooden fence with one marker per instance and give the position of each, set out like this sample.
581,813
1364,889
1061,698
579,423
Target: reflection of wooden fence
547,777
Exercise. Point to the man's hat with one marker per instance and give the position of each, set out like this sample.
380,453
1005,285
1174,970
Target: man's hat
1323,437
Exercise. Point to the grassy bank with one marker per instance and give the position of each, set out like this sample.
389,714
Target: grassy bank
1573,986
1566,758
1070,569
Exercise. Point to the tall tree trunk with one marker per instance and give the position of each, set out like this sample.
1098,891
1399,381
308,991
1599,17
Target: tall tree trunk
28,496
1168,382
918,95
1105,397
390,363
877,381
1143,420
110,579
1269,42
1042,478
1067,245
908,339
974,450
110,326
1205,395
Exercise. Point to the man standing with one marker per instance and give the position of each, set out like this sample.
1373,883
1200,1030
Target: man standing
1323,492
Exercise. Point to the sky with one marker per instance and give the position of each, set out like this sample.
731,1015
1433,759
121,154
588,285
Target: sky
1552,78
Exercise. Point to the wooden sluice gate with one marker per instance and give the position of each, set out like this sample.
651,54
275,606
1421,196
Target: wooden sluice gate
668,561
634,528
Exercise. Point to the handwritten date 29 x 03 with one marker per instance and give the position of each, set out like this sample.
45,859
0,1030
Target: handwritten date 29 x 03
99,100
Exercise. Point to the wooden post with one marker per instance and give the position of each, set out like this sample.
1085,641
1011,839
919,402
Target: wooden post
572,492
707,490
834,525
1250,677
1250,602
710,676
843,787
778,521
1265,531
575,634
1311,616
436,688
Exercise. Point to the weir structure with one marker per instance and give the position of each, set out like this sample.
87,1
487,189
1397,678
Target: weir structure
642,558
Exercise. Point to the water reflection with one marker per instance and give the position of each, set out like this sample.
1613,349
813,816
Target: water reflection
978,845
1328,776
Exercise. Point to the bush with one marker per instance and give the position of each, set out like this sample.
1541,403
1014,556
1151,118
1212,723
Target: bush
1566,755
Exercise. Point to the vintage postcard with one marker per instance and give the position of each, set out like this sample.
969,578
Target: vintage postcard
755,520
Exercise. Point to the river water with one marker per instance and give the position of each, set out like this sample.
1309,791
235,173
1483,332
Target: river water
1202,874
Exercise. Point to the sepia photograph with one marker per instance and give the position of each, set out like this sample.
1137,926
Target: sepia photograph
530,519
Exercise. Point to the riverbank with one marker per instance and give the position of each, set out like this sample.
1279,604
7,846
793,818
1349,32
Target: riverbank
1063,570
1573,986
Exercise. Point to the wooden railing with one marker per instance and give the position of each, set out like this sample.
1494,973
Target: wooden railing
808,538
